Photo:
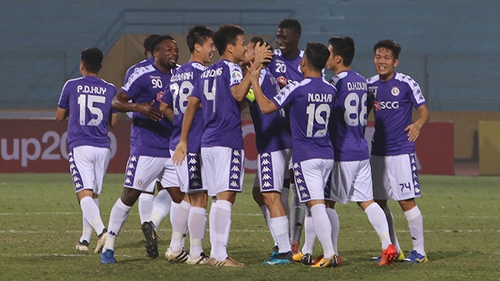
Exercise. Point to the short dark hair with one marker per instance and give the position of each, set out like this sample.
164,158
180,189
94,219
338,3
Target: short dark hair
154,45
317,55
198,34
226,34
388,44
344,47
92,59
293,24
149,41
257,39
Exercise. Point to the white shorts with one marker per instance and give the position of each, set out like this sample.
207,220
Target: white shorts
351,181
189,173
311,177
143,172
87,165
395,177
272,170
222,169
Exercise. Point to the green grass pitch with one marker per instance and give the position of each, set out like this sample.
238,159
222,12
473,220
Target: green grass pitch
40,224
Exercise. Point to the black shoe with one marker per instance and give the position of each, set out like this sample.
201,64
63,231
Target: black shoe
149,232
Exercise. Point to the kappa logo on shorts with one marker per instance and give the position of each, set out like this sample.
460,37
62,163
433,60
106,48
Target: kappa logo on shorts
266,171
234,177
194,171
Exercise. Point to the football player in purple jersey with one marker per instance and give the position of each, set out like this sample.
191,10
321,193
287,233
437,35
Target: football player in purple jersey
182,84
221,89
351,176
393,96
311,102
149,159
286,68
147,199
274,147
86,102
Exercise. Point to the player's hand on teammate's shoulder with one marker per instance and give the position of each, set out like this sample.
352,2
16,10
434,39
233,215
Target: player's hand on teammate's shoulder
147,109
263,54
180,153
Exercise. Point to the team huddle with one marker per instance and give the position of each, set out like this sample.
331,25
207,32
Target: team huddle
186,140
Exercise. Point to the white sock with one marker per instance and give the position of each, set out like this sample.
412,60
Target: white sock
335,222
279,226
211,223
86,231
392,230
197,223
298,211
323,230
92,214
179,221
161,207
117,217
285,193
145,206
416,225
310,235
222,225
378,220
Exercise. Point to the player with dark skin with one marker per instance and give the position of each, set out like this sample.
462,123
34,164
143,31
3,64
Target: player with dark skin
288,42
166,55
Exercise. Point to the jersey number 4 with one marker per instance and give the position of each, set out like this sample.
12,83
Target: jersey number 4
209,92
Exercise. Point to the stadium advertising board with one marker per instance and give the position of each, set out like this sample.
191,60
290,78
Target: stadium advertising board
40,146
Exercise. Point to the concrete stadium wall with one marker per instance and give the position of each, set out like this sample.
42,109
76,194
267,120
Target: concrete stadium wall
449,46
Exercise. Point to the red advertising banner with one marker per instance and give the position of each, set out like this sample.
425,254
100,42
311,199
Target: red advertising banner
434,148
40,146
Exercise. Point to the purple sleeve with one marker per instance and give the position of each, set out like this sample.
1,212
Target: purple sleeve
64,98
167,96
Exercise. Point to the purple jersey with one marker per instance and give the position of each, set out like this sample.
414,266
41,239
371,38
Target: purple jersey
392,102
136,67
182,84
221,112
88,100
311,102
148,137
286,70
271,130
348,121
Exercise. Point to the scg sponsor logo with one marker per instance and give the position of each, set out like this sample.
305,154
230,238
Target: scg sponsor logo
378,105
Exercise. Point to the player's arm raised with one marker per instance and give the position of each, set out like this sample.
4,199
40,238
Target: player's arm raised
265,105
414,129
120,103
262,54
181,148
